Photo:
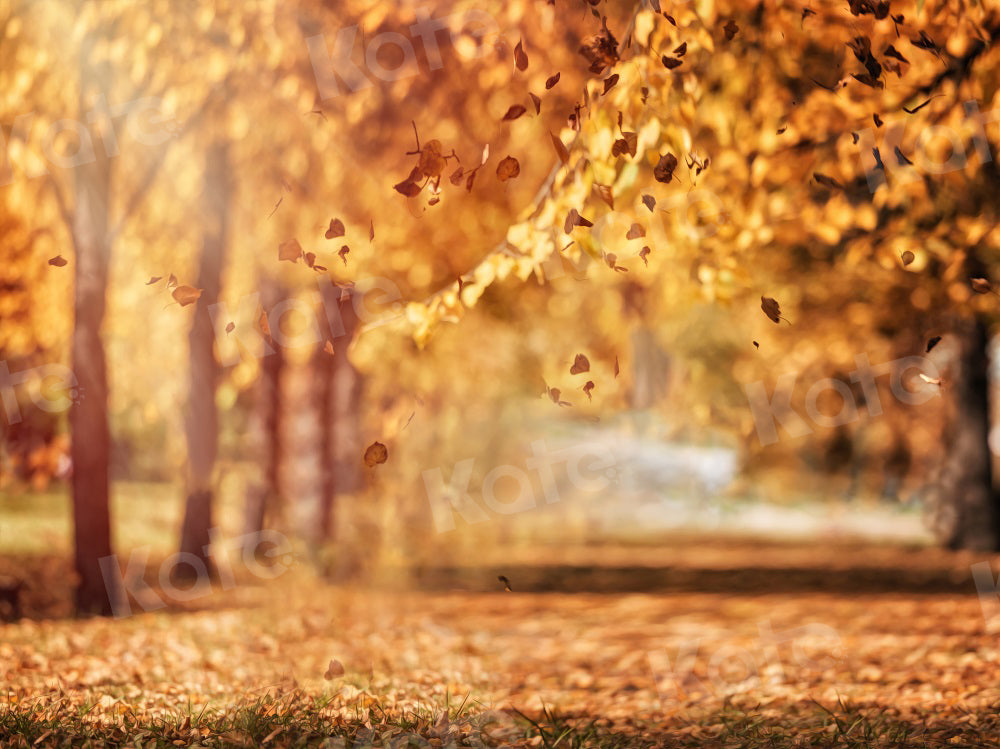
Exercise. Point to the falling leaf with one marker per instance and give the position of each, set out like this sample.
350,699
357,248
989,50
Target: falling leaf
375,454
520,57
289,250
610,82
617,370
588,388
186,295
671,63
172,281
263,324
681,50
827,181
891,51
58,261
901,158
605,194
537,102
635,231
551,81
230,327
328,347
508,168
877,120
644,253
153,279
342,253
649,201
756,345
573,219
628,143
981,285
907,257
612,262
932,342
771,309
731,29
554,394
334,670
336,229
371,230
580,365
664,169
514,112
505,581
561,151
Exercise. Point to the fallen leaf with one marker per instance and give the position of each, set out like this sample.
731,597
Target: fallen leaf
335,669
551,81
605,194
644,253
649,201
230,327
514,112
153,279
328,348
610,82
561,151
932,342
635,231
981,285
58,261
907,257
772,309
520,57
664,169
617,370
580,364
588,388
537,102
342,253
730,29
671,62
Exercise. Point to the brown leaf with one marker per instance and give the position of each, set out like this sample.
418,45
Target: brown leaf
342,253
172,281
626,144
907,257
588,387
537,102
457,176
334,670
186,295
670,63
508,168
153,279
506,587
664,169
520,57
371,230
772,309
408,188
610,82
980,285
649,201
554,394
731,29
605,194
573,219
289,250
617,370
827,181
644,253
932,342
681,50
580,364
514,112
336,229
635,231
432,162
58,261
552,80
328,347
263,324
375,454
561,151
230,327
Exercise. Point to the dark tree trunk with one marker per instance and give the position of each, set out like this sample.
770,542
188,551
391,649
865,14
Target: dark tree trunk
338,410
91,437
202,418
264,497
967,510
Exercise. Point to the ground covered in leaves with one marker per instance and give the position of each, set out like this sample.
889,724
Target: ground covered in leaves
725,645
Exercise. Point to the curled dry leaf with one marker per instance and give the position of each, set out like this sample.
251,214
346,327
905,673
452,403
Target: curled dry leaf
627,144
537,102
58,261
610,82
756,345
336,229
644,253
230,327
670,63
664,169
289,250
980,285
375,454
573,219
617,369
508,168
552,80
342,253
561,151
649,201
681,49
153,279
730,29
588,388
580,364
554,394
186,295
907,257
932,342
605,194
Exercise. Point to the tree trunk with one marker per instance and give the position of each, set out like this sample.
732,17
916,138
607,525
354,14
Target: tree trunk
264,497
91,437
202,418
338,410
967,514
